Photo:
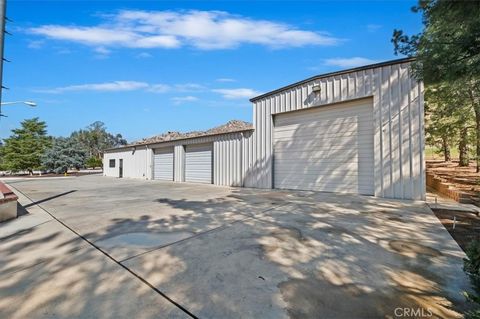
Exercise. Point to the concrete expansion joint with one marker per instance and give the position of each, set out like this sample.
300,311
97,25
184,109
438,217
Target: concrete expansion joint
221,227
182,308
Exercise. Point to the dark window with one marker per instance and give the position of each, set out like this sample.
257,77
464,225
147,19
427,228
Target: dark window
111,163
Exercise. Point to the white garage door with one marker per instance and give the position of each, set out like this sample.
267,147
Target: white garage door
325,149
198,163
163,164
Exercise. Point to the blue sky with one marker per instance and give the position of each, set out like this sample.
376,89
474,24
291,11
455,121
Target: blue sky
148,67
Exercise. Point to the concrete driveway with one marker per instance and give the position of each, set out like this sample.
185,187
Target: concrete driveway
94,246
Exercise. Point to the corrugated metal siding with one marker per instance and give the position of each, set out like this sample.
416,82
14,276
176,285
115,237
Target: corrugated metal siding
231,151
179,163
398,125
228,159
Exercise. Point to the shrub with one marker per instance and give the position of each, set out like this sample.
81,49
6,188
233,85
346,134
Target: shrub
471,266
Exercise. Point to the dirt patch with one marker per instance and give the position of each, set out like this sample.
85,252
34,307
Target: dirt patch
467,225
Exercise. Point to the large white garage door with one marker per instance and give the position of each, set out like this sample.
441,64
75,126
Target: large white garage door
325,149
198,163
163,164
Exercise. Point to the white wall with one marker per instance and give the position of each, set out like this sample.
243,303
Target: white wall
398,125
135,163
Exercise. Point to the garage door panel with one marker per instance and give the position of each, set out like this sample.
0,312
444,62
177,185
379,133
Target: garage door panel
351,124
287,135
327,169
340,151
325,181
198,163
330,113
335,145
325,149
315,186
286,158
334,119
320,166
324,184
163,164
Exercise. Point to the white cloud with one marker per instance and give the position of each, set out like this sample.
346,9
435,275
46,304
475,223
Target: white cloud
63,51
102,51
349,62
241,93
144,55
117,86
189,87
373,27
104,36
205,30
159,88
35,44
225,80
183,99
114,86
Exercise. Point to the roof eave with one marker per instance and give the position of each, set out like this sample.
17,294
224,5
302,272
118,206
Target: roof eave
126,147
335,73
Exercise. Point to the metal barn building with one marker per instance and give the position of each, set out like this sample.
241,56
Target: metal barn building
356,131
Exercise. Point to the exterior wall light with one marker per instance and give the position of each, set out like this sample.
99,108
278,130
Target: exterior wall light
316,88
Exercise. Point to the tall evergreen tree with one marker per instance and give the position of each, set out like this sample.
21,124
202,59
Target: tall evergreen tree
23,150
449,120
447,50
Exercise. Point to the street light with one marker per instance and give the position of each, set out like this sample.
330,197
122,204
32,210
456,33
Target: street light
29,103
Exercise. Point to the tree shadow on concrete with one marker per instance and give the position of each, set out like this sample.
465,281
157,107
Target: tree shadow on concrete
255,253
339,255
47,272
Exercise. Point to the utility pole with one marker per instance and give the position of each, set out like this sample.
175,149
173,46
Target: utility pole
3,19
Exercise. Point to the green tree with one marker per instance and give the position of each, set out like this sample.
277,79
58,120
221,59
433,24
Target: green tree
471,266
94,162
65,153
447,50
95,139
449,120
23,150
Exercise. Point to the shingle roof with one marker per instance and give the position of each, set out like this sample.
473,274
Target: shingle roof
229,127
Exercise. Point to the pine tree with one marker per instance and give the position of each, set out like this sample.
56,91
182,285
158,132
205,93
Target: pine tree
23,150
447,50
449,120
